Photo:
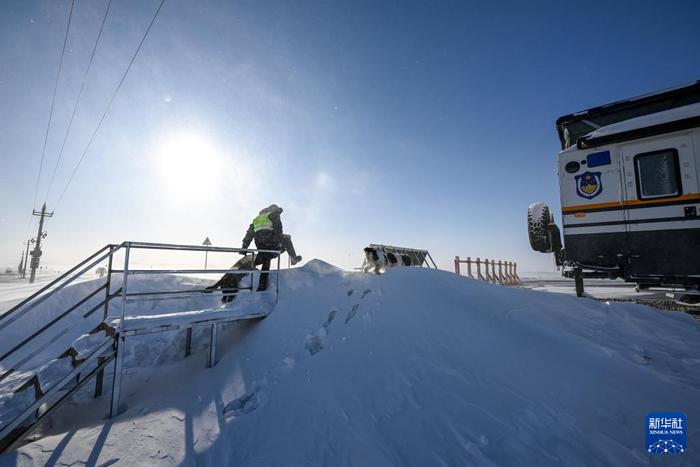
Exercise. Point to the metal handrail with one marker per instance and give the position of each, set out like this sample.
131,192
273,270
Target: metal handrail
184,271
61,333
53,321
156,296
172,246
113,248
4,324
75,272
15,422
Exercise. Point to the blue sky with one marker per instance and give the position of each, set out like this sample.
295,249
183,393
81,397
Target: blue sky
423,124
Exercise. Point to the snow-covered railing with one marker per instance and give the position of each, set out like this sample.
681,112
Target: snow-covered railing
507,271
127,296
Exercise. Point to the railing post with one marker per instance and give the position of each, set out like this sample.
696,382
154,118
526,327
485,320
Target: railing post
119,361
500,272
188,342
117,380
125,278
493,270
99,377
277,278
211,361
478,269
109,282
252,272
469,267
457,265
515,272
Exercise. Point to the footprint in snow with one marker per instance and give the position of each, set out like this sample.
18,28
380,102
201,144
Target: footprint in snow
352,313
243,405
364,294
331,317
350,292
314,343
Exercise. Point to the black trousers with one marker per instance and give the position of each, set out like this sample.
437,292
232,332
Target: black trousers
265,259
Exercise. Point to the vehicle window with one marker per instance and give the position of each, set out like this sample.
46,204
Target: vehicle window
658,174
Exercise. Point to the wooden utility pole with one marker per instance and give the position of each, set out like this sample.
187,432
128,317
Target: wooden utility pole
26,260
36,253
21,263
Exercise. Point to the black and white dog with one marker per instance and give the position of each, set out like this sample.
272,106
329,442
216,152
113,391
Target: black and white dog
231,281
377,261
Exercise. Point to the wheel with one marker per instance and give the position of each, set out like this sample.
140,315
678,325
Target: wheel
538,220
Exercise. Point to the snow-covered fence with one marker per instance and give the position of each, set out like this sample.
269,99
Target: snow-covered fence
506,274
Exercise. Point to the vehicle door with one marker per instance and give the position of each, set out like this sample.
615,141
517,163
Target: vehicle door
661,206
592,210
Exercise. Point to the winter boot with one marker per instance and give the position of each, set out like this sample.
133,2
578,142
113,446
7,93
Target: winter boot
295,259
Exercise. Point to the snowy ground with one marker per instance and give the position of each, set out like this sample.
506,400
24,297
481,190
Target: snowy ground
595,288
414,367
14,289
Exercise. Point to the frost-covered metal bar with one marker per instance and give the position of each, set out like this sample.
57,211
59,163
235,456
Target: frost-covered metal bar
7,429
170,246
155,296
181,271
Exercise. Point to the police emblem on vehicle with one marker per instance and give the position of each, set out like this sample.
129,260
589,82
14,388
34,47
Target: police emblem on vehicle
588,185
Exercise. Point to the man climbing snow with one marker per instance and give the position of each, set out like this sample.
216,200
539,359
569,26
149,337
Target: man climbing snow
266,229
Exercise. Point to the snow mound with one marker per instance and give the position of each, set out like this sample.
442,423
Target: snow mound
412,367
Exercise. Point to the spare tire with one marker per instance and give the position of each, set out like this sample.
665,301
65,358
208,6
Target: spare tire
538,219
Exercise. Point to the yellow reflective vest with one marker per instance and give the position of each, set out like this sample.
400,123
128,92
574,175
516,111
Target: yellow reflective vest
262,222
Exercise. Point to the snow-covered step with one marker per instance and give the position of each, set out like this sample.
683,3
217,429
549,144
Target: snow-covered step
51,373
13,403
86,344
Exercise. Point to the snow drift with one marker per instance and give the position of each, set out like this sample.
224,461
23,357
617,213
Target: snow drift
413,367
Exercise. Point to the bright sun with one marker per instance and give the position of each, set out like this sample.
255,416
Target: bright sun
188,166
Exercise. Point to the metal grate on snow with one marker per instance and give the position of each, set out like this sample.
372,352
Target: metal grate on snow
417,257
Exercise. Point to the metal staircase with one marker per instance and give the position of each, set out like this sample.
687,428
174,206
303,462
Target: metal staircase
74,336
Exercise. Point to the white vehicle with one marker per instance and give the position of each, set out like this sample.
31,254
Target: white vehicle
630,196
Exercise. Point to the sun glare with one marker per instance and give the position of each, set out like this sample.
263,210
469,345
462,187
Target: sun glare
188,167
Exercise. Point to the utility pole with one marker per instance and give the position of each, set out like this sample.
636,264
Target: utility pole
21,263
26,259
36,253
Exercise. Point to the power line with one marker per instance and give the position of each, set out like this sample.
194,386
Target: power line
53,99
109,105
77,101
